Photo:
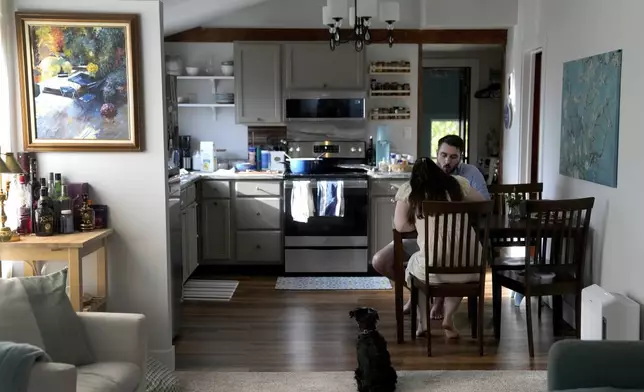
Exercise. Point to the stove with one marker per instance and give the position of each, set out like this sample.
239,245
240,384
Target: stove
332,243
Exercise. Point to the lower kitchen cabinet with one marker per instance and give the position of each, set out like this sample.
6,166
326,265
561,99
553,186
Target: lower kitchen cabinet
190,240
215,229
259,247
382,215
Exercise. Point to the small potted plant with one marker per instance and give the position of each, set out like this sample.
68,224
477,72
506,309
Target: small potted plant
514,200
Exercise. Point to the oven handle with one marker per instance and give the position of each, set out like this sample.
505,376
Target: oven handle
351,184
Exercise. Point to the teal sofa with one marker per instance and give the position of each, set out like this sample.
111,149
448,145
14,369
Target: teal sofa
597,366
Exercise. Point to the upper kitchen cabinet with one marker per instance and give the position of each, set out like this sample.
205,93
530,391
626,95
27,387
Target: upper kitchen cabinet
313,66
258,84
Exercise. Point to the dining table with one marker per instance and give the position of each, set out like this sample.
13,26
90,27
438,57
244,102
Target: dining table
500,226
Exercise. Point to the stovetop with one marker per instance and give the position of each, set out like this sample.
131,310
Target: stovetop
361,175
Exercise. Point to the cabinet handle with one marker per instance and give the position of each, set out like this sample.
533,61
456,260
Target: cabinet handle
259,119
393,188
259,189
258,214
258,247
214,204
393,201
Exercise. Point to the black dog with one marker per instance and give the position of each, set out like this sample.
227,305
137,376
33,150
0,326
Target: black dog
374,372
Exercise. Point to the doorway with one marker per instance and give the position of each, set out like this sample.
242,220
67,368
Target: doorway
535,123
446,104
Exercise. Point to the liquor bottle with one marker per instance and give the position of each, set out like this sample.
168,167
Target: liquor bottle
25,224
44,215
51,188
86,215
371,160
64,200
58,183
35,191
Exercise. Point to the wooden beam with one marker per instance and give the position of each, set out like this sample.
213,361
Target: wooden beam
402,36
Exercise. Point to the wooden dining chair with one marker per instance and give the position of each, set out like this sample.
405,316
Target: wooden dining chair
559,230
499,194
462,224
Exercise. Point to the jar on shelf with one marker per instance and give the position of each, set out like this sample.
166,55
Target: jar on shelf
66,222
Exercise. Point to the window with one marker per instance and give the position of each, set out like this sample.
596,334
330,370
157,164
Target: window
440,129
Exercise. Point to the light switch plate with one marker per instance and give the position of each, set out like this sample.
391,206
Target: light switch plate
407,132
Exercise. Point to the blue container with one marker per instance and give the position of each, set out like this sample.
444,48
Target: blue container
383,149
304,165
266,159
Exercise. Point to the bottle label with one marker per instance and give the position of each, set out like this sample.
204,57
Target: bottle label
46,224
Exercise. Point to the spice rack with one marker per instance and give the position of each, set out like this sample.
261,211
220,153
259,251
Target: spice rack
390,68
392,113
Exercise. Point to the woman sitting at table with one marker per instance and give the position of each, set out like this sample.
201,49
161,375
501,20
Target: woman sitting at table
428,182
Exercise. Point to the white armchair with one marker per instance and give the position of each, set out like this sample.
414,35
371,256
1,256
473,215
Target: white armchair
119,343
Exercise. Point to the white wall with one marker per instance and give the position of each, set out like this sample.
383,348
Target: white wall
570,30
201,123
132,184
468,14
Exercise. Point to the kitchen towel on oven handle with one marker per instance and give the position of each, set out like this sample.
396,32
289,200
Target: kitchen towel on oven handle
331,198
302,205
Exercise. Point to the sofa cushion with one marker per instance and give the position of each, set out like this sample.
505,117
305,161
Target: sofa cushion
108,377
36,310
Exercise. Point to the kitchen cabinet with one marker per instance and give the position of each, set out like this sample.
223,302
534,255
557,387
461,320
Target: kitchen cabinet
313,66
215,229
382,215
258,84
189,240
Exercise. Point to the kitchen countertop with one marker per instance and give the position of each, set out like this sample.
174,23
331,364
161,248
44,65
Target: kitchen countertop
194,176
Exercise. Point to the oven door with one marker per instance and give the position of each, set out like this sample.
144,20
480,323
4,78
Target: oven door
347,230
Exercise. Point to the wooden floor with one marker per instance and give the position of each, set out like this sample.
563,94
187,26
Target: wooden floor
263,329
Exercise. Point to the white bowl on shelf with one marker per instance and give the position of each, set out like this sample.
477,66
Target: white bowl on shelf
227,69
192,71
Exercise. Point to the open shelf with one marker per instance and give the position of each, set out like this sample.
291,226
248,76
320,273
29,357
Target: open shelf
389,93
401,116
206,105
205,77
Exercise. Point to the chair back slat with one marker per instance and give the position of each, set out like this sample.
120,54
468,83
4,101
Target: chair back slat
457,236
559,228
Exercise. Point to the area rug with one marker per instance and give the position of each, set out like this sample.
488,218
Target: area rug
410,381
333,283
209,290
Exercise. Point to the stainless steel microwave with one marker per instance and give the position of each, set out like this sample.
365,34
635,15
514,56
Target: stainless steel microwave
320,107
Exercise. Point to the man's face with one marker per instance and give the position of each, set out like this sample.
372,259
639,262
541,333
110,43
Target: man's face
448,157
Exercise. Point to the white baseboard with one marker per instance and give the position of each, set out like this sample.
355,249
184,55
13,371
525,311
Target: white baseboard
165,356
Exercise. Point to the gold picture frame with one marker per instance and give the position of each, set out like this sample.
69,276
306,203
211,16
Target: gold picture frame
80,81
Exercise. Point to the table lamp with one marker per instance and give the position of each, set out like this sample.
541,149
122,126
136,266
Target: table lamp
7,166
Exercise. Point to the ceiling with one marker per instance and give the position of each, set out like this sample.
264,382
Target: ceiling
179,15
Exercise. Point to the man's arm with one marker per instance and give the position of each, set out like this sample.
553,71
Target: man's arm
477,181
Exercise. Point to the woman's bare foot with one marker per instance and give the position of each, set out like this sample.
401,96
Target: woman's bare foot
450,331
407,307
437,312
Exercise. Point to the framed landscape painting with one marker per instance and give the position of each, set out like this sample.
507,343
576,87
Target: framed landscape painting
80,81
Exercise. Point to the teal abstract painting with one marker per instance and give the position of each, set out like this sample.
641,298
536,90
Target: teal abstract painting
590,118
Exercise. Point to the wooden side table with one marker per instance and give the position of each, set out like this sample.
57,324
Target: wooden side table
70,248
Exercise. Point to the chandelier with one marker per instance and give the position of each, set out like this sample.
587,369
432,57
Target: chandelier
360,17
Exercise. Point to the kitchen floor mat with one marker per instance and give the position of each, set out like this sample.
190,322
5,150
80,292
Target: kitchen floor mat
209,290
333,283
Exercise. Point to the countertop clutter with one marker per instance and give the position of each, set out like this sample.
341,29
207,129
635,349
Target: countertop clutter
194,176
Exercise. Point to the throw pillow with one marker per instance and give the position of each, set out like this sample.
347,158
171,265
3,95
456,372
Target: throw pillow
159,378
37,311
